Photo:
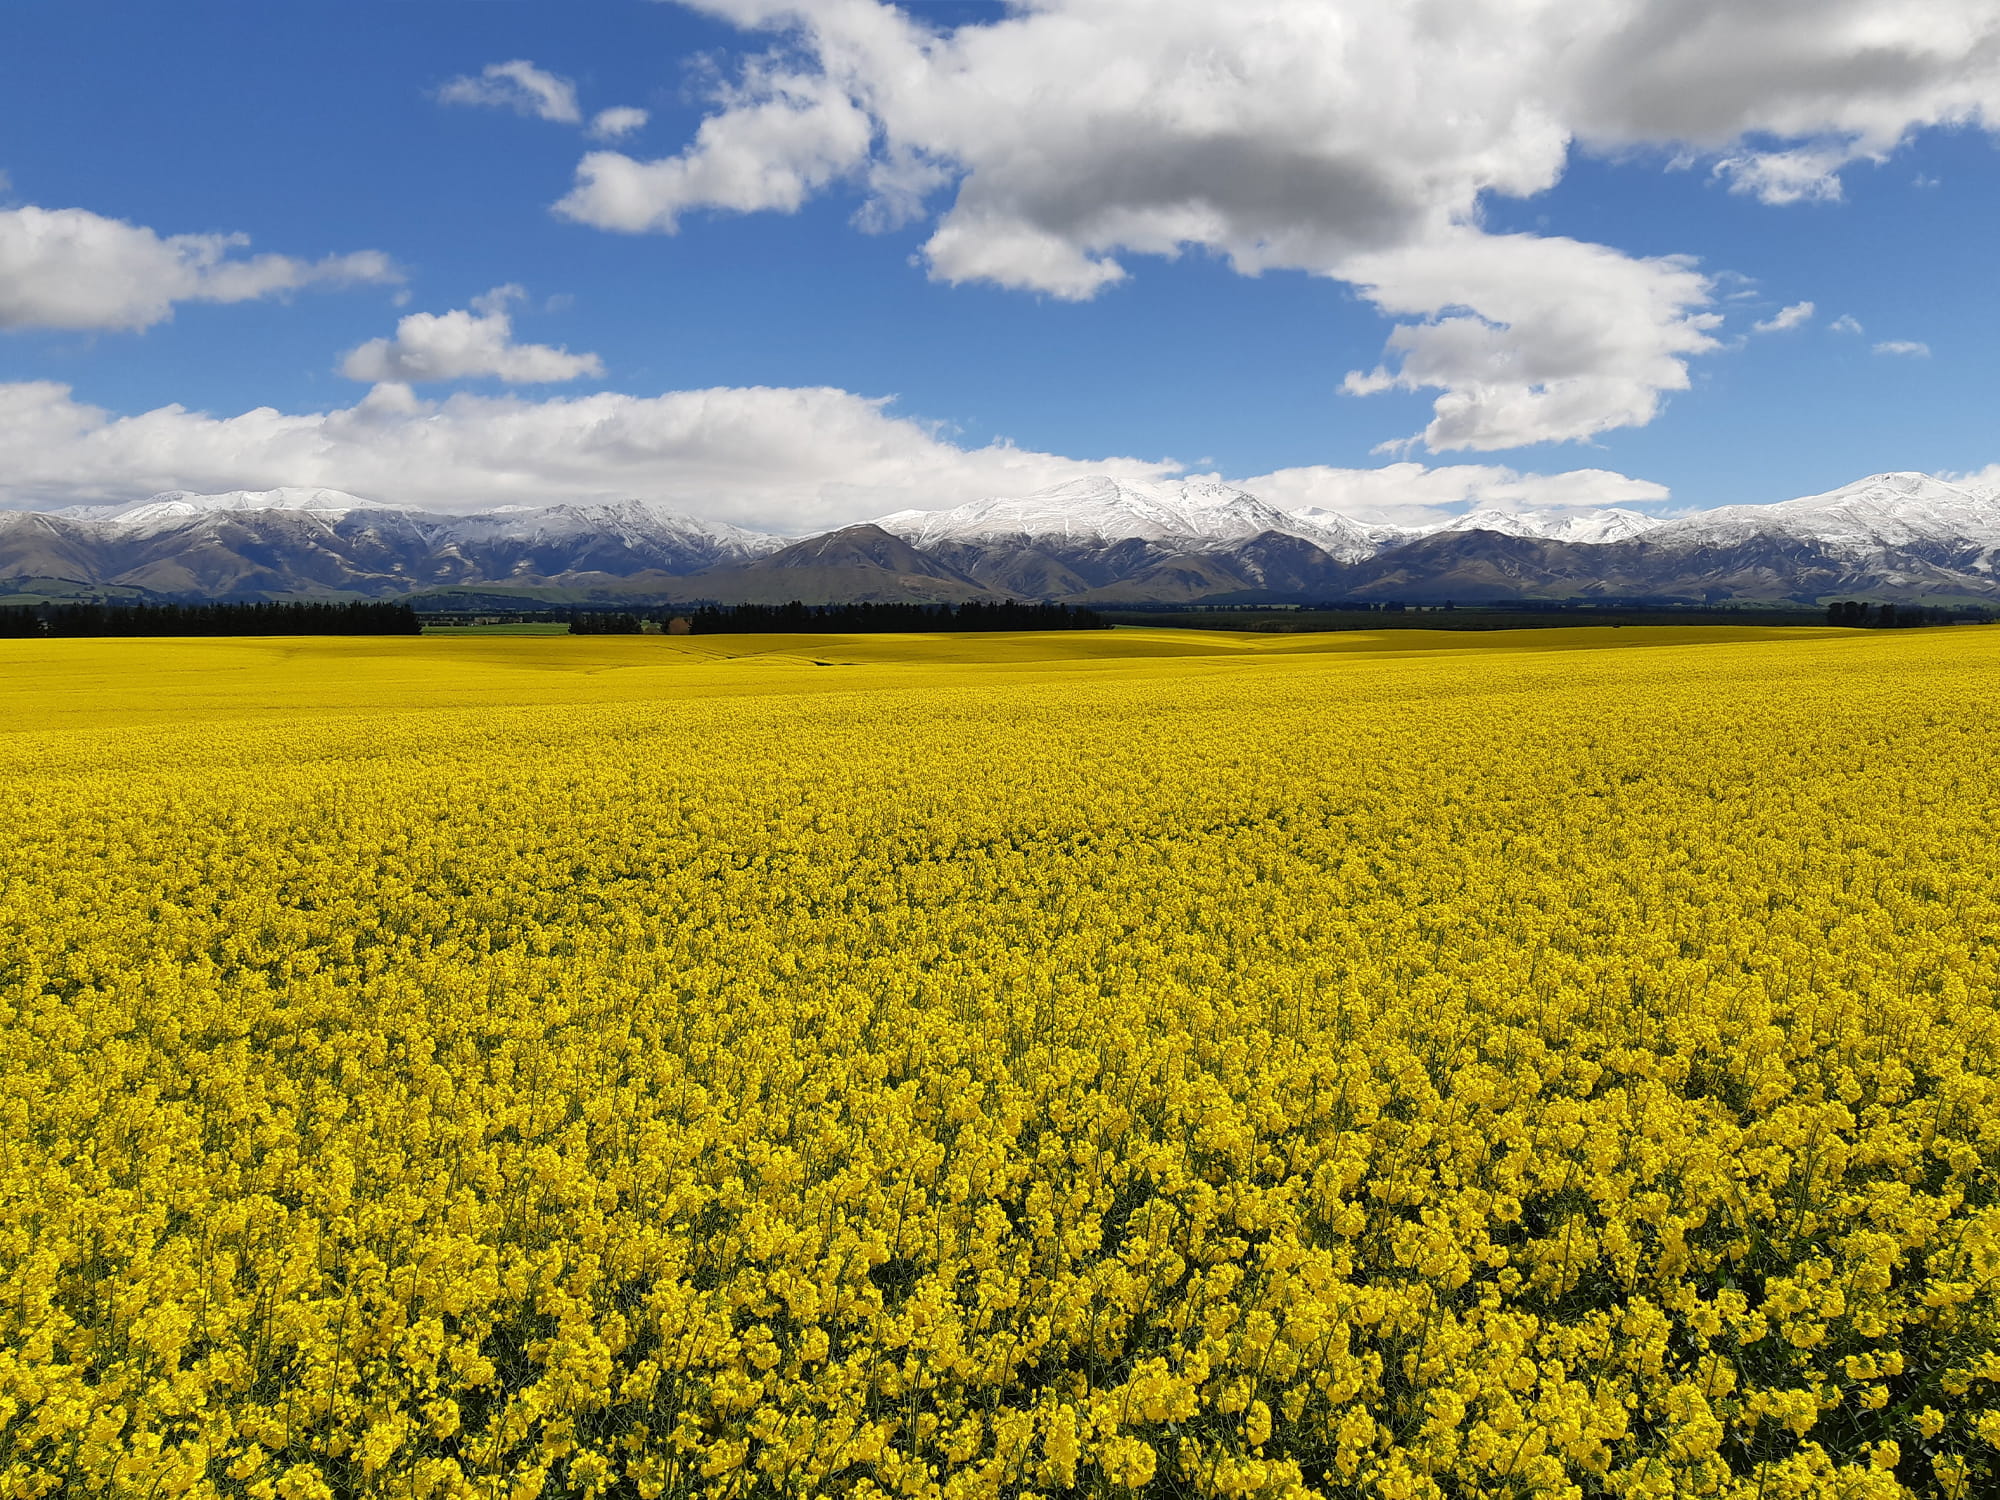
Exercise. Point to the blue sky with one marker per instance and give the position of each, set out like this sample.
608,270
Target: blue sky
317,130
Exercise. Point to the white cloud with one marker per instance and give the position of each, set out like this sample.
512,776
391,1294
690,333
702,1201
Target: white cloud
1845,323
794,460
1012,253
1909,348
1786,92
772,151
1340,139
1984,481
520,86
1557,339
620,120
70,268
528,90
1797,315
1410,493
797,460
464,345
1807,175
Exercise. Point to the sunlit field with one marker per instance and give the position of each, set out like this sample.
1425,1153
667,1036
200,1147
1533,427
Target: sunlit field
1119,1063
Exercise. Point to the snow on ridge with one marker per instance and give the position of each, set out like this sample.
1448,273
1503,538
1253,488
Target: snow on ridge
1098,509
1378,534
1883,510
1589,528
1205,513
1880,511
629,519
174,507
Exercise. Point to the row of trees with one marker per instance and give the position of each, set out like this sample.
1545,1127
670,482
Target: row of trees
1891,616
854,619
366,617
851,619
601,624
372,617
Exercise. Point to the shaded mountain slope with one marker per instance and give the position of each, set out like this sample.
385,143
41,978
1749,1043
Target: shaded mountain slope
857,564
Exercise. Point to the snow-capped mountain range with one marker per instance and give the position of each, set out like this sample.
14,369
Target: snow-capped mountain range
1203,513
625,520
1100,510
174,508
1901,535
1590,527
1883,510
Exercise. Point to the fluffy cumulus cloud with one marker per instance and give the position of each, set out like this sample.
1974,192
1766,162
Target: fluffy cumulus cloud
617,122
463,345
70,268
1410,493
791,460
1906,348
1356,141
789,137
1547,338
1786,318
520,86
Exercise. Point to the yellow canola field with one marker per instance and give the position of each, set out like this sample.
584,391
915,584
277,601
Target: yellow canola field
1564,1063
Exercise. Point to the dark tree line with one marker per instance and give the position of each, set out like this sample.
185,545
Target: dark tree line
1891,616
600,624
366,617
867,619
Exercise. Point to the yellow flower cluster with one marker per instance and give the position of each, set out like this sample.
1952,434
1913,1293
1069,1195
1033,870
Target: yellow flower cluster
607,1068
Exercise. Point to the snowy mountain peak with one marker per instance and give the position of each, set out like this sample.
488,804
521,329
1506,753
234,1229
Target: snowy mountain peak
1903,483
641,523
1898,492
631,520
176,507
1592,527
1373,535
1097,508
1883,510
